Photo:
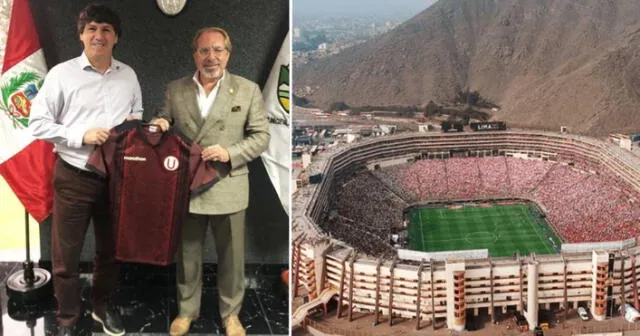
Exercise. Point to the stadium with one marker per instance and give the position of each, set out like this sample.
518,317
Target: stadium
436,226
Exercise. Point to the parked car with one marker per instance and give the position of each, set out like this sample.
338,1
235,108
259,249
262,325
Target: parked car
582,312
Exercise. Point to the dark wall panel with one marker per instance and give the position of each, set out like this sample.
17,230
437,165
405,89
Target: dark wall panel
158,47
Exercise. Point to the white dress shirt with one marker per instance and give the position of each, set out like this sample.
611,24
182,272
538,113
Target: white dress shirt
75,97
205,102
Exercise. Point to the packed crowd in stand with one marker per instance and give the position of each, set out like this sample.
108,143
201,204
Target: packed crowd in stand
526,174
463,180
582,206
494,176
391,180
366,212
360,239
428,178
588,208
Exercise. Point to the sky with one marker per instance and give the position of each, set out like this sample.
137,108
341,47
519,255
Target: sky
362,7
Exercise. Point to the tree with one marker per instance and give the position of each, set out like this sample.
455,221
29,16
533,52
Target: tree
300,101
431,109
473,98
338,106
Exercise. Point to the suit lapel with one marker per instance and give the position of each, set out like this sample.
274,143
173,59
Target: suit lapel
191,101
221,105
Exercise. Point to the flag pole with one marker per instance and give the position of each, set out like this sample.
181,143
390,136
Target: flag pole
29,311
27,266
30,285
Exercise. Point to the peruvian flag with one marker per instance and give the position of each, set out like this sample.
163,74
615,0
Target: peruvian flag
25,163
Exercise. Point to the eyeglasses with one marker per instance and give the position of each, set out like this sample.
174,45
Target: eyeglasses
216,51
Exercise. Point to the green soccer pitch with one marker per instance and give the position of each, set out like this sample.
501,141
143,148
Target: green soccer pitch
502,229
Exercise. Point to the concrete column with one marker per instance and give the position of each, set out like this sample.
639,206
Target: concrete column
456,306
600,264
532,294
321,250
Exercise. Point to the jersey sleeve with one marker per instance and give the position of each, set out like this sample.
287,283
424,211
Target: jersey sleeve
203,175
102,156
96,162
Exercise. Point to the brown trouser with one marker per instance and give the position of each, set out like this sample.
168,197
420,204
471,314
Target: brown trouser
80,196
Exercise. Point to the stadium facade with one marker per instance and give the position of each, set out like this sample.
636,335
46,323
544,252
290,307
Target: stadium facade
600,275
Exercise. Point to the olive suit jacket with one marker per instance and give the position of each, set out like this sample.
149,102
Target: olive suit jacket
236,121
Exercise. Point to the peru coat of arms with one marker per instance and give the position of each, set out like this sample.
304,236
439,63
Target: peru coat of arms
17,94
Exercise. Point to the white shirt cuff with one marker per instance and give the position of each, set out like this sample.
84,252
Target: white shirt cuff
75,135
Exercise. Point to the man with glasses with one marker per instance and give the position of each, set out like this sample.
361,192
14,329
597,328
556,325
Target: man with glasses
224,114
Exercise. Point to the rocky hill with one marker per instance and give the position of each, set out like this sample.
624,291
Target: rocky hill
545,62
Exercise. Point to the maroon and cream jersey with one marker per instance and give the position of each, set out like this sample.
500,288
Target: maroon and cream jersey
151,176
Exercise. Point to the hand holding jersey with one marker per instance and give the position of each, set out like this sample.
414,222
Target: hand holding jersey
160,122
215,153
95,136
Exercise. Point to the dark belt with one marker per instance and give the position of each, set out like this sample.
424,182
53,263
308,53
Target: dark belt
79,171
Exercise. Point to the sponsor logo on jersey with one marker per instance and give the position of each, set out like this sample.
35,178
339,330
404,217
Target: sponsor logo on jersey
135,158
